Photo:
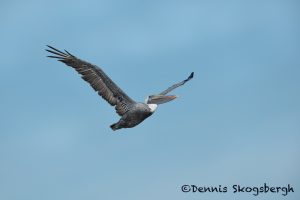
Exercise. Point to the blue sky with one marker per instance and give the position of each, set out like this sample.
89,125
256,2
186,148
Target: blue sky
236,122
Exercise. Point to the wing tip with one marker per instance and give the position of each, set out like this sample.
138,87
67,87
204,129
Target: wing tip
192,75
58,52
55,51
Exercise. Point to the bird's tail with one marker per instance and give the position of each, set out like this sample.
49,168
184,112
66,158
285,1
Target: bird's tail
114,127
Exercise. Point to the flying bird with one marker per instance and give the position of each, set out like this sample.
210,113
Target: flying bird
132,113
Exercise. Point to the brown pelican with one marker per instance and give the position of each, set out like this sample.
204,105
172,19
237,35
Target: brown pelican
132,113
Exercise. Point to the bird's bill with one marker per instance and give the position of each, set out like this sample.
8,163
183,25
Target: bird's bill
160,99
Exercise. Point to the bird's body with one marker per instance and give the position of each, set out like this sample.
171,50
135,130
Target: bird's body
135,116
132,113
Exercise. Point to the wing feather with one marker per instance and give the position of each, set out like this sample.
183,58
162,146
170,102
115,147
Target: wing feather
177,85
98,80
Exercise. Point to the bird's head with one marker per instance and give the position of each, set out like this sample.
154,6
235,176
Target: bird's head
159,99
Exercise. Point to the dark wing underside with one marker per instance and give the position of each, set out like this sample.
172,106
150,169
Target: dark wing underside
177,85
94,75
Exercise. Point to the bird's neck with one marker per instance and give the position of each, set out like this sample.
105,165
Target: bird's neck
152,107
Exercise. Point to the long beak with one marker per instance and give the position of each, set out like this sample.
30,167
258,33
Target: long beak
160,99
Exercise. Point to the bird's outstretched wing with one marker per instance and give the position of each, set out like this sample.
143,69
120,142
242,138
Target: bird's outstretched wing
95,76
177,85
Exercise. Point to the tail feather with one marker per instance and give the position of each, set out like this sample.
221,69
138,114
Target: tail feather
114,126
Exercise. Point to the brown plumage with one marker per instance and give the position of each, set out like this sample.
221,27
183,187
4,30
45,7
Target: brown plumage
132,113
94,75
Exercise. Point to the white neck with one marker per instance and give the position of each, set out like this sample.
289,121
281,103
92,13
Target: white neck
152,107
